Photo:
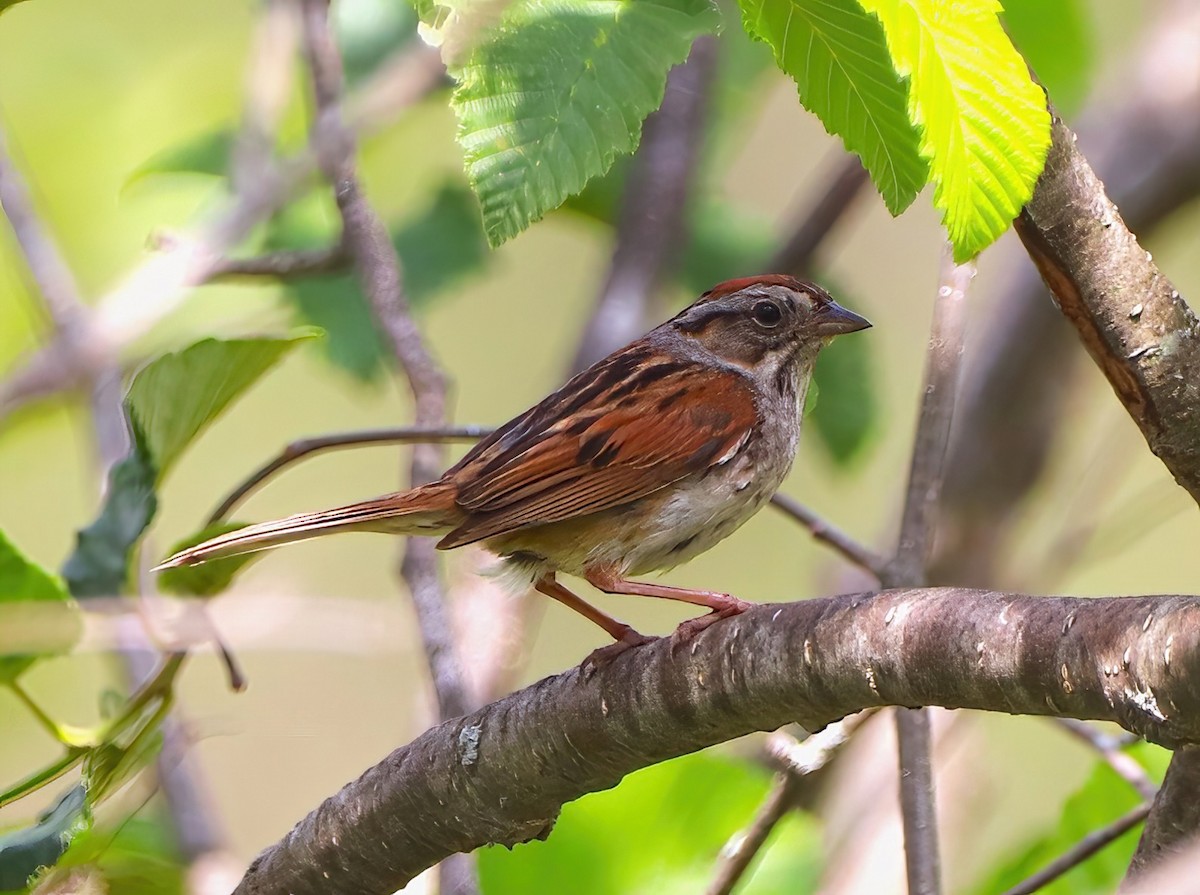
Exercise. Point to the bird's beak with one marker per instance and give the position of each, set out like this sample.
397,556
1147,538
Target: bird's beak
834,320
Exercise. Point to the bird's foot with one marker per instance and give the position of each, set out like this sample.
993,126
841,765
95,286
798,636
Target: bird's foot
599,658
693,626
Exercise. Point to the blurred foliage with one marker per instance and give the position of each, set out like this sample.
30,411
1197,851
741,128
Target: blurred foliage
138,857
1056,40
439,245
1102,799
26,592
22,852
170,401
662,829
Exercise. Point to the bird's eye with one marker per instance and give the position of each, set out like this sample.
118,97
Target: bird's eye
767,313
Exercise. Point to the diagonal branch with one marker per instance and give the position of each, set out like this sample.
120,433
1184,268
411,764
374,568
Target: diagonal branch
502,774
1146,340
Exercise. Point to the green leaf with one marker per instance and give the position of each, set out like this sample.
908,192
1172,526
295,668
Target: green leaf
24,852
99,565
846,412
552,95
838,55
1101,800
107,767
207,153
667,823
206,579
176,395
38,618
984,123
1056,39
139,857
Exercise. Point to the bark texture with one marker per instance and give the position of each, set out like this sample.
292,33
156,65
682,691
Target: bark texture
500,775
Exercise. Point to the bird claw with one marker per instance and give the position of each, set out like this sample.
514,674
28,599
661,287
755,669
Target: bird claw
689,629
602,657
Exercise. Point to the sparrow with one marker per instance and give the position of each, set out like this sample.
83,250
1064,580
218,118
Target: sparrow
639,463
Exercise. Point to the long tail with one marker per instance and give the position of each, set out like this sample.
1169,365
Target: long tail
428,510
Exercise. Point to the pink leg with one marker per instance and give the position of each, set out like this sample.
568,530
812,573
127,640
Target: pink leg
722,605
624,635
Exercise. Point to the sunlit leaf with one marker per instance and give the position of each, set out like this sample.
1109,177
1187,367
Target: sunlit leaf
23,852
38,618
176,395
984,123
838,55
209,578
554,93
1056,39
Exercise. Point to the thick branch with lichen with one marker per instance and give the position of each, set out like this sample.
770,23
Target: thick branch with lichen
501,774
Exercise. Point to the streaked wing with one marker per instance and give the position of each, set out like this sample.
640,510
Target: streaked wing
617,432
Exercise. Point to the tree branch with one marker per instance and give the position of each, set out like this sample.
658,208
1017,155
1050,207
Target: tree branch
1133,322
378,266
1145,339
816,222
918,806
502,774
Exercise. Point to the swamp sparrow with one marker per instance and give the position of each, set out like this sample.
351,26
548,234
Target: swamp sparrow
639,463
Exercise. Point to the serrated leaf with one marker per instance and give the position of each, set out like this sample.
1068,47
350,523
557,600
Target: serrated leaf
838,55
176,395
559,89
1101,800
1056,39
984,124
207,153
206,579
846,411
99,565
24,852
38,618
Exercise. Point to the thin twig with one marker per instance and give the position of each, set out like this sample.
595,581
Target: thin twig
379,274
739,851
653,220
306,447
817,220
796,759
829,534
1081,851
907,569
283,264
1109,748
161,283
